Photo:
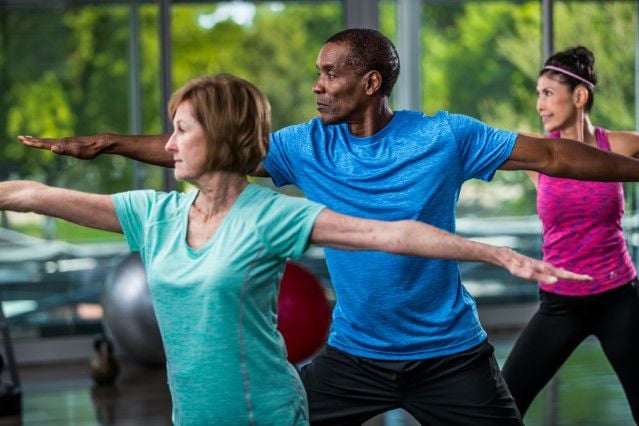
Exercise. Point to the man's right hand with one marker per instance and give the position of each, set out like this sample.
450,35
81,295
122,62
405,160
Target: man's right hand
145,148
82,147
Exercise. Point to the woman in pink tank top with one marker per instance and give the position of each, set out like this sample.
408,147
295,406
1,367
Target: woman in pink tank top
582,233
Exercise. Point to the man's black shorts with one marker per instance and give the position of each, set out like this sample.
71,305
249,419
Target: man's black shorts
466,388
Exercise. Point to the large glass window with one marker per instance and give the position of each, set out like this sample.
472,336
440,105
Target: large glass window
608,29
272,44
68,71
64,71
481,59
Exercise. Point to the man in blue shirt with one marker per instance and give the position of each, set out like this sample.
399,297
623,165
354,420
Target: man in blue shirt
405,331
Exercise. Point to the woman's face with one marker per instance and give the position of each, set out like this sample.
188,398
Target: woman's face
187,144
555,104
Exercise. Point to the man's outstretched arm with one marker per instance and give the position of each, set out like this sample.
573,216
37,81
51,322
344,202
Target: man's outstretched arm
145,148
570,159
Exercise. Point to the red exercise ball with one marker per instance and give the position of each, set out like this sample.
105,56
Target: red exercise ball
303,313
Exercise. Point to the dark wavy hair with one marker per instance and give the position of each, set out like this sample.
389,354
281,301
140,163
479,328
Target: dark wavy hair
577,60
370,50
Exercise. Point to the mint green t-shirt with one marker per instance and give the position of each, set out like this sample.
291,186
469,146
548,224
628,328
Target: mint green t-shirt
216,306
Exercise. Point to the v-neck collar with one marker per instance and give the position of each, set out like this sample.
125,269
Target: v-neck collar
211,241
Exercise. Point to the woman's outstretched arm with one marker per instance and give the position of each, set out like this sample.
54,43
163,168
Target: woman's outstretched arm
414,238
92,210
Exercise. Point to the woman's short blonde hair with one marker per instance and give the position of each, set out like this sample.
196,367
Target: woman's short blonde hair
236,118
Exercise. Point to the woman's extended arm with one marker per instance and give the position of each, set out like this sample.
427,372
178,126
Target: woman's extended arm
92,210
419,239
624,143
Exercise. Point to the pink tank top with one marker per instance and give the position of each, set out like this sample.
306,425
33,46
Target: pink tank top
582,230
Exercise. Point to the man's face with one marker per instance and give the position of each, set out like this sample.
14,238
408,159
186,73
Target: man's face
339,88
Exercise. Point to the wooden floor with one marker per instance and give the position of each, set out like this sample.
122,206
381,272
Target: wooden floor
588,391
65,395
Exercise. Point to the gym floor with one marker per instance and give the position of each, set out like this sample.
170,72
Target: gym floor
64,394
587,393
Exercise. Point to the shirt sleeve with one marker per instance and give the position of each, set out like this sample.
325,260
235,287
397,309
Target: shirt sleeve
133,209
286,223
482,148
283,154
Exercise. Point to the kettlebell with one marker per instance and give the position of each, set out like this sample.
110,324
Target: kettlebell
104,367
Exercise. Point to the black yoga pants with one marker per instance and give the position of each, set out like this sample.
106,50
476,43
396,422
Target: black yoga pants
561,324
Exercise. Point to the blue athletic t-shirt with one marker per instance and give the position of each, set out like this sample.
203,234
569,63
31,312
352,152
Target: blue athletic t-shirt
388,306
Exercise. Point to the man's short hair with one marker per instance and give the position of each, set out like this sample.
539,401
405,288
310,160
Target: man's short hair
236,118
370,50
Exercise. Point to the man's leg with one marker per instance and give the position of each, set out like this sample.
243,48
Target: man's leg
460,389
346,390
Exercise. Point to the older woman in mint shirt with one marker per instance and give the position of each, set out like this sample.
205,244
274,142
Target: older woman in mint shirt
214,256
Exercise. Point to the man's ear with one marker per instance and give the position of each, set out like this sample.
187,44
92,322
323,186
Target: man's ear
373,82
